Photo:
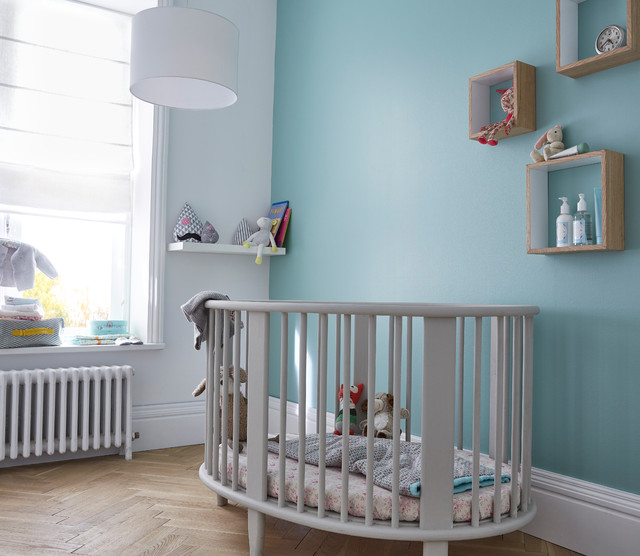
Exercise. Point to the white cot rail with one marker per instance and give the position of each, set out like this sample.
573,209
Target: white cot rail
464,372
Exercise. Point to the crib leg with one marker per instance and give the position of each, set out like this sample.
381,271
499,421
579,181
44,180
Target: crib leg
256,532
221,500
435,548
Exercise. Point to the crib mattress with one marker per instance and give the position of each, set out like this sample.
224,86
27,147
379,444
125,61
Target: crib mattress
409,509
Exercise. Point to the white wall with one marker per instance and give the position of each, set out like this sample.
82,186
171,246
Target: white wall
219,162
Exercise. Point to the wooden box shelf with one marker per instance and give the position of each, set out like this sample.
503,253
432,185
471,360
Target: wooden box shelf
612,183
567,62
524,80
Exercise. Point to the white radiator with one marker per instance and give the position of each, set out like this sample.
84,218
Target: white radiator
49,411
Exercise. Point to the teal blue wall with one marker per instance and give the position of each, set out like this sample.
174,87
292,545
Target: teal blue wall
393,202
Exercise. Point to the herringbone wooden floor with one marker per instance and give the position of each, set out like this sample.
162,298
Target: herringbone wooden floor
156,505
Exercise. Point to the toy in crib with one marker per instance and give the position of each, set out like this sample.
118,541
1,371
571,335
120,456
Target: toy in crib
489,131
262,237
354,397
550,143
382,415
243,378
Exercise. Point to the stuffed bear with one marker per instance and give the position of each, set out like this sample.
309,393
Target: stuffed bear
550,143
354,397
243,378
383,415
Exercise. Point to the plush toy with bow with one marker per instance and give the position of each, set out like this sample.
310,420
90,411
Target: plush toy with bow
489,131
262,237
354,397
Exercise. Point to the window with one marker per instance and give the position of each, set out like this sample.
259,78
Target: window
76,172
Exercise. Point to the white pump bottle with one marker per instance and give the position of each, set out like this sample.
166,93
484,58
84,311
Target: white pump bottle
564,225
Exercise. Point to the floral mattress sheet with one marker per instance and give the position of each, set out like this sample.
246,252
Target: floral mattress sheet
409,509
410,461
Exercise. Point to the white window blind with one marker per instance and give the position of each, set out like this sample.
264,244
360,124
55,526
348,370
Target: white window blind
65,109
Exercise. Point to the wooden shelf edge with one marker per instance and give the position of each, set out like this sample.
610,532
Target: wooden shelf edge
567,160
599,62
517,130
572,249
222,249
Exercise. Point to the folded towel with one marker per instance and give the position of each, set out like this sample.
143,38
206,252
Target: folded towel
10,300
23,308
5,311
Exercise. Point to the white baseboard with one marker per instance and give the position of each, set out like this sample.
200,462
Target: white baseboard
584,517
168,425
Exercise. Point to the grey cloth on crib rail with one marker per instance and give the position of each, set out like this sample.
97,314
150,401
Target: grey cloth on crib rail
196,313
18,262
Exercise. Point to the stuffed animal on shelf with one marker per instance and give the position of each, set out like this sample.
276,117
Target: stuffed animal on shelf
489,132
262,237
382,415
354,397
550,143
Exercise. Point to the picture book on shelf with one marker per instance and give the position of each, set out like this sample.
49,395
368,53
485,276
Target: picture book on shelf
277,213
282,231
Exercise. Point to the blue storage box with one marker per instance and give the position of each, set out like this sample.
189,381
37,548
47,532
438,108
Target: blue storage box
101,327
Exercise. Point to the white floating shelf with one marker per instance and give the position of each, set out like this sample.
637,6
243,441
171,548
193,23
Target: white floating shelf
222,249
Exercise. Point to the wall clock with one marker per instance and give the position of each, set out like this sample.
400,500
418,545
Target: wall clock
610,38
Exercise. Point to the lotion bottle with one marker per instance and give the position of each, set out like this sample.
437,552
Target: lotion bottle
582,228
564,226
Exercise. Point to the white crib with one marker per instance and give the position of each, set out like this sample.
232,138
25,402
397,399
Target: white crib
475,392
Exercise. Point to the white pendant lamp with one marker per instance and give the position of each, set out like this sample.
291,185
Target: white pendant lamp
184,58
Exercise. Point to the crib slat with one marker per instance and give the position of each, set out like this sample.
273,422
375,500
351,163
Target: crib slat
302,409
236,400
226,362
498,413
209,395
346,381
460,396
338,364
438,412
371,379
217,417
258,406
322,408
409,375
284,368
391,356
477,402
527,403
397,393
505,387
515,413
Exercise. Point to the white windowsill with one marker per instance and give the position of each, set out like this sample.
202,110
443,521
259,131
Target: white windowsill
41,350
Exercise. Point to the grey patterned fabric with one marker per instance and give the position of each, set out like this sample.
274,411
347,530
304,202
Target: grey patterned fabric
243,231
188,226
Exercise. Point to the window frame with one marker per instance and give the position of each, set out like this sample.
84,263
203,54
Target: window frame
148,218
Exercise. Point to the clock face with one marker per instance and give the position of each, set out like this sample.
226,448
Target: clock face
610,38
